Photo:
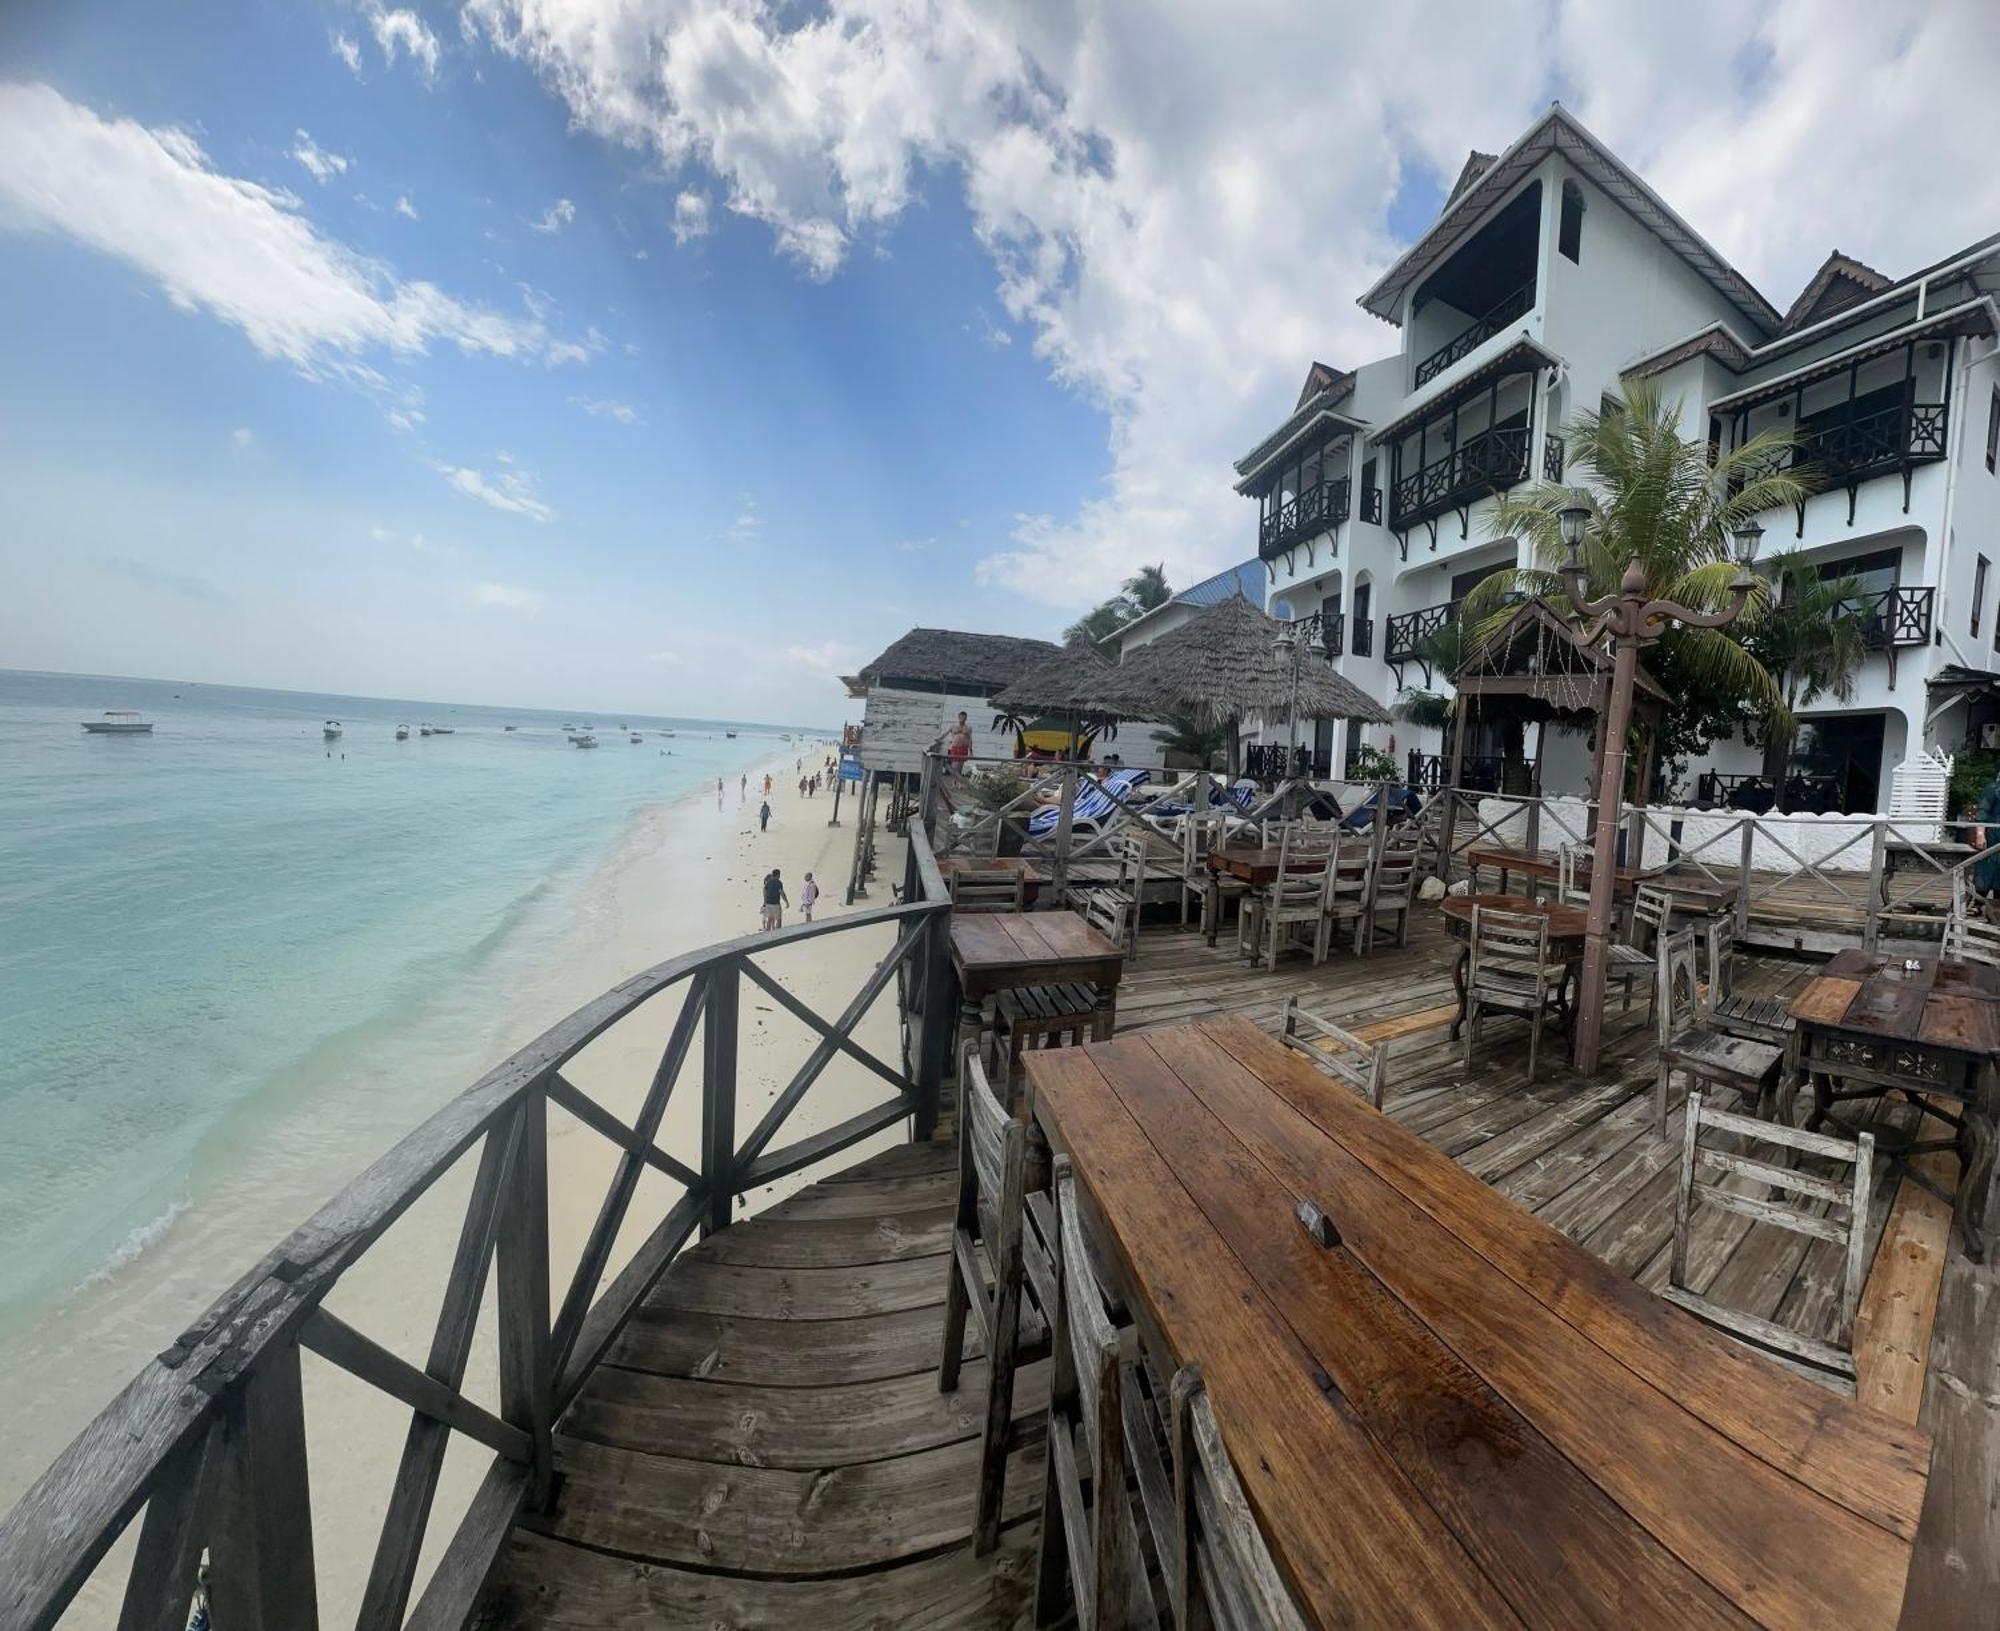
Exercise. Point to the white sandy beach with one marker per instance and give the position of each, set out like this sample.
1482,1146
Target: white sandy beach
684,875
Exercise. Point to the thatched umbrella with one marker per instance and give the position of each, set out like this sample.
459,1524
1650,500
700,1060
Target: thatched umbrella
1066,685
1220,668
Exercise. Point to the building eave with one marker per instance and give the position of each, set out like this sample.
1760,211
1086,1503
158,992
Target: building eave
1979,316
1523,356
1295,430
1717,340
1558,132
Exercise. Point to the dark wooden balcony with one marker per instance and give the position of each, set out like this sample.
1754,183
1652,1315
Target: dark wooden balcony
1460,346
1489,462
1897,616
1837,450
1408,631
1319,508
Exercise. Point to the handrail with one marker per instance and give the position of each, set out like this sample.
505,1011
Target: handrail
1468,340
1488,461
209,1436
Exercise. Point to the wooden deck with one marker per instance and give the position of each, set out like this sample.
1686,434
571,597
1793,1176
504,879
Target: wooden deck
767,1438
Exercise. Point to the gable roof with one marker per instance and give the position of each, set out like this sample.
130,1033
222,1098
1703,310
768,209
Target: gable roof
1476,165
1840,282
950,657
1322,377
1558,132
1246,579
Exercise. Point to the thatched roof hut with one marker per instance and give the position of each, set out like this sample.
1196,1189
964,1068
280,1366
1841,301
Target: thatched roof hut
1069,682
1220,668
951,661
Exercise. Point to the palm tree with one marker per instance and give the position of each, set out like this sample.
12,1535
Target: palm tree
1147,588
1661,500
1099,623
1202,743
1813,640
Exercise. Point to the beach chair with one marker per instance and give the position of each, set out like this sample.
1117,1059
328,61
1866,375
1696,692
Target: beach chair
1223,1562
1707,1173
1096,807
1689,1043
1337,1053
1090,1560
1000,1270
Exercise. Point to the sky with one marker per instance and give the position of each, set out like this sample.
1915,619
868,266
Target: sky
677,355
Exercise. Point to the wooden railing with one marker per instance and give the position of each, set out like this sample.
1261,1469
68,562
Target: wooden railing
209,1439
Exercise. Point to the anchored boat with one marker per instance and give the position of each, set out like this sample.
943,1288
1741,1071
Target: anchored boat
120,722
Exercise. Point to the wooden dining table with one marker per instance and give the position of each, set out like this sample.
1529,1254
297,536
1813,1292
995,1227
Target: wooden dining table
1019,866
1868,1024
1259,869
1006,951
1695,893
1443,1412
1567,926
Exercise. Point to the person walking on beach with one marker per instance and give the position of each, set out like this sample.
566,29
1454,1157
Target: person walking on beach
718,792
775,900
808,897
764,816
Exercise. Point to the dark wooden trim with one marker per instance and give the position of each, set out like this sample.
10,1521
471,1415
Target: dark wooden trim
791,1157
337,1342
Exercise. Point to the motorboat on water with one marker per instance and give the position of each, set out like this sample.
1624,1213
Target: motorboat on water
730,734
636,737
425,730
510,727
330,730
584,739
442,730
120,722
402,733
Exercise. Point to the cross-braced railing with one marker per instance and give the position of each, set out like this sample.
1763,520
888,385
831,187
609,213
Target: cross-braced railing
206,1446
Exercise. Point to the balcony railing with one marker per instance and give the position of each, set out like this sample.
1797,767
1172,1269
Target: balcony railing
1552,458
1334,625
1490,462
1897,616
1517,304
1274,762
1480,773
1364,636
1407,631
1371,505
1320,508
1846,452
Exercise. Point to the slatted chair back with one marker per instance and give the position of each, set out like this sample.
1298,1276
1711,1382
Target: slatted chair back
1000,1271
1392,888
998,890
1112,908
1339,1053
1679,1006
1721,935
1224,1564
1652,911
1089,1539
1509,956
1768,1191
1300,876
1573,875
1272,830
1971,940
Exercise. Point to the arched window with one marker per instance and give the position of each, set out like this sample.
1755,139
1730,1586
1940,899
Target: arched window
1570,238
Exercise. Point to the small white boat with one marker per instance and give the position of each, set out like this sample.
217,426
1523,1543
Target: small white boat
584,739
442,730
636,737
730,734
424,730
402,733
120,722
330,730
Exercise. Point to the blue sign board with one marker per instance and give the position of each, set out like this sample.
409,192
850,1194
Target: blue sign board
850,765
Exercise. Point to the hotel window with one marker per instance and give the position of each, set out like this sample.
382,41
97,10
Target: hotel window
1993,429
1978,592
1570,238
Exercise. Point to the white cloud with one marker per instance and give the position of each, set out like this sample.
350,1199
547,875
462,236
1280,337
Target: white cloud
405,208
606,408
690,217
403,30
1179,241
510,597
242,436
348,52
321,165
511,489
236,249
990,332
557,216
748,526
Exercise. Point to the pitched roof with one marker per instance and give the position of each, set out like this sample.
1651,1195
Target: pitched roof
1246,579
1840,282
1717,340
1323,377
1557,131
1313,405
1476,165
1065,682
974,662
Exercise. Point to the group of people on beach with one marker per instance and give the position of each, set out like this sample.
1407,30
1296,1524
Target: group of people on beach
776,900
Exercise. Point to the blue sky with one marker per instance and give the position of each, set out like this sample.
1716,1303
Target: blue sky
355,347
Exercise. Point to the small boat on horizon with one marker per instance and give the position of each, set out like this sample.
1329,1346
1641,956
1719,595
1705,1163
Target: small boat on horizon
330,730
584,739
510,727
442,730
120,722
402,733
730,734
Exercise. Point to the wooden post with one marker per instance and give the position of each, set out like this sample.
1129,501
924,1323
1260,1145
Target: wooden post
1743,874
1878,860
718,1097
527,1383
261,1547
1533,841
1059,880
1447,825
934,1045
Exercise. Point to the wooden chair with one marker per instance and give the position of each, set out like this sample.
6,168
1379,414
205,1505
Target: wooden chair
1688,1042
998,1260
1201,836
1572,875
1639,957
1043,1016
1340,1054
1770,1179
1000,890
1968,937
1224,1564
1344,895
1089,1540
1291,900
1392,888
1508,970
1112,908
1761,1019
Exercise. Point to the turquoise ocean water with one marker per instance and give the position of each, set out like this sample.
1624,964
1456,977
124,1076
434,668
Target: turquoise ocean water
202,928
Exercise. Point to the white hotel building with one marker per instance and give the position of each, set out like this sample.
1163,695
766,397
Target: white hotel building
1553,278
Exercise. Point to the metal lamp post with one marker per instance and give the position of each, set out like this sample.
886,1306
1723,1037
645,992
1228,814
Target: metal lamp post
1631,618
1291,651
